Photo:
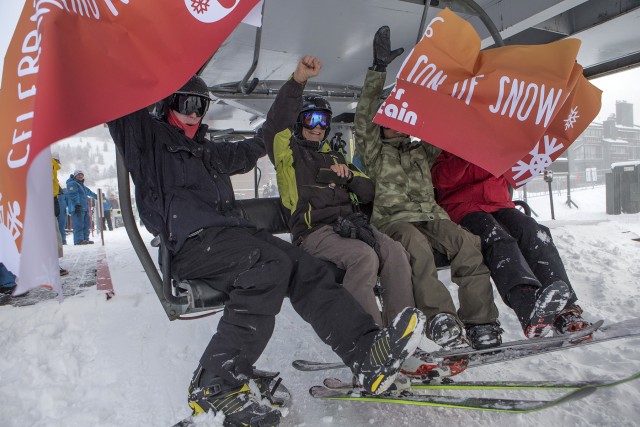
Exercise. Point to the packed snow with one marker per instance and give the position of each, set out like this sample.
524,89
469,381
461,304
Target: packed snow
92,362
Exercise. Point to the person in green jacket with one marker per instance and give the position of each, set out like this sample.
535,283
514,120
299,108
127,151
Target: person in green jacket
323,193
405,209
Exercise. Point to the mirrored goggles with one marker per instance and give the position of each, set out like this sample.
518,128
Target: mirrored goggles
188,104
311,119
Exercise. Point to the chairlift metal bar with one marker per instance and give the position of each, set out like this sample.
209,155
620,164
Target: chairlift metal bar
139,247
244,86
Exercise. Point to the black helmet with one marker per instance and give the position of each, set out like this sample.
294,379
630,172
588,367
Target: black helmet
313,103
195,86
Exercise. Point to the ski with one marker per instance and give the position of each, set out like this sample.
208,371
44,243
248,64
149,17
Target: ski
337,384
473,403
571,338
450,365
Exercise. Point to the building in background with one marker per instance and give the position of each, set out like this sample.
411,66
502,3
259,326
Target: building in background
616,139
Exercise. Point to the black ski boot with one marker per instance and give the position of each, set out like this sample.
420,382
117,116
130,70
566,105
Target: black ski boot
271,388
239,405
486,335
447,331
390,347
550,301
570,320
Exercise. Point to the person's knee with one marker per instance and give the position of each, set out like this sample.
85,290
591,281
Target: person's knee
395,253
265,272
403,232
364,258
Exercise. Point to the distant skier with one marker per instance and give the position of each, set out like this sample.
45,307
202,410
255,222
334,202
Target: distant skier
77,199
106,214
57,191
184,193
525,264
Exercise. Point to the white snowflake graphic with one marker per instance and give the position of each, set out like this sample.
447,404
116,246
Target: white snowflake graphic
9,217
572,118
538,161
200,6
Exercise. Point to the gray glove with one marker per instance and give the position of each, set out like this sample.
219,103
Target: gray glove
382,53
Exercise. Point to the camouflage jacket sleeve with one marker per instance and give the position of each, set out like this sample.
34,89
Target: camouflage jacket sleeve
432,153
368,140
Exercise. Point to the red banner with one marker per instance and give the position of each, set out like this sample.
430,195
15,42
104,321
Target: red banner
74,65
489,107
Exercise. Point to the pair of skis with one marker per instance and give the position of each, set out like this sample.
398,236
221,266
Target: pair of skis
334,389
439,366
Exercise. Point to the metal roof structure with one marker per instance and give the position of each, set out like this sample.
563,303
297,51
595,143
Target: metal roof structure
340,33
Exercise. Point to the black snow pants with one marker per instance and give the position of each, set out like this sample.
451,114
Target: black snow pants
257,271
519,253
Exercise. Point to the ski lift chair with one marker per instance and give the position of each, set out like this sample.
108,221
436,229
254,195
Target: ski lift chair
183,299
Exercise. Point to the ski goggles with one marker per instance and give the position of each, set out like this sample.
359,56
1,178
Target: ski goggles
311,119
188,104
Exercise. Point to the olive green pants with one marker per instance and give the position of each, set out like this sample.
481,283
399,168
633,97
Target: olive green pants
475,292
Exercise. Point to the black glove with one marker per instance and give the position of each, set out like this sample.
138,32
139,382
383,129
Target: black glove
358,219
56,206
338,144
78,209
345,228
382,53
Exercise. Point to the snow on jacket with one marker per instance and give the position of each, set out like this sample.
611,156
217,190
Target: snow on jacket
77,194
399,167
464,187
298,161
182,184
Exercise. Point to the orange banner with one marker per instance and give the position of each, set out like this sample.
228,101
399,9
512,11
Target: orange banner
74,65
575,115
489,107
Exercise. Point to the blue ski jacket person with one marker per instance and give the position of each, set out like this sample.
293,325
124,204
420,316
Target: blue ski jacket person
78,205
106,205
62,217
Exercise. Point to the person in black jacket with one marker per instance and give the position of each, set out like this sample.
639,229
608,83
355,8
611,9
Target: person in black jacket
184,193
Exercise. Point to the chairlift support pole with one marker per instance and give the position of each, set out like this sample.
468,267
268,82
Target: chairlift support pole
569,202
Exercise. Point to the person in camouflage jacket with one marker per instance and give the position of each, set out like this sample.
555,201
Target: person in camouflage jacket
321,209
405,209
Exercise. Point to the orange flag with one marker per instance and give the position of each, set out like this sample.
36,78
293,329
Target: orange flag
74,65
489,107
575,115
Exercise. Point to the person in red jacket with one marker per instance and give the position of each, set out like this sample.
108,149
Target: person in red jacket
524,262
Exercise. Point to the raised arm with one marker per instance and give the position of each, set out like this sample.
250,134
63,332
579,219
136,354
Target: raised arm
367,137
133,135
283,114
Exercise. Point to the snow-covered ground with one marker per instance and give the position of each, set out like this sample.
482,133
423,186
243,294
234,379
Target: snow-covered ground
93,362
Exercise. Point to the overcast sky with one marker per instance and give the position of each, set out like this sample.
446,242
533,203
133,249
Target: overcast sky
620,86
